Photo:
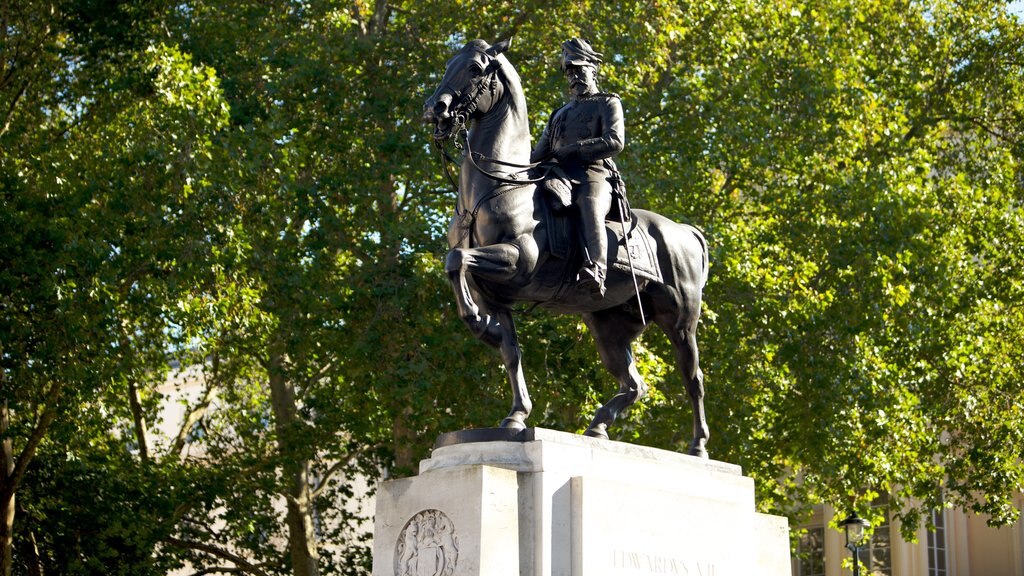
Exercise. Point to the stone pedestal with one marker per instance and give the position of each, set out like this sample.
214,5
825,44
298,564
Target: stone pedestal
540,502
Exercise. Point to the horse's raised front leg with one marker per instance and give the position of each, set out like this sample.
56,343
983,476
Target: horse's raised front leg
496,263
614,331
499,263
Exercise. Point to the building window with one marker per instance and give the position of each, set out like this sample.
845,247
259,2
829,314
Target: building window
937,545
878,553
810,559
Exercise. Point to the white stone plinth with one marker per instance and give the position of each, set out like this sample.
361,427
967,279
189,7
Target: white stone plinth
558,504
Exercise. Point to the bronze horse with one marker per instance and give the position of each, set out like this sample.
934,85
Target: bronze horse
501,233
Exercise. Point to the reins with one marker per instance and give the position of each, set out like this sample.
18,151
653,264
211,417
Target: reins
476,157
508,184
511,179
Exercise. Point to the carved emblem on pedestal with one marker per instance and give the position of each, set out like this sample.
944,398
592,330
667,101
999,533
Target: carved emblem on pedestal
427,546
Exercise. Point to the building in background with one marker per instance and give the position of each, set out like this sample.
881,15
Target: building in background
962,545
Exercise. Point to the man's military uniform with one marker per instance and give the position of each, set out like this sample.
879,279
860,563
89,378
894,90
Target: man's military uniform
583,136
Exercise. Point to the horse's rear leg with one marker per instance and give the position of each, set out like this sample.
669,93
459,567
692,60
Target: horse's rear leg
684,341
614,331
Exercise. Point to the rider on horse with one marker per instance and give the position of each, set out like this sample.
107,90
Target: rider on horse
500,236
583,136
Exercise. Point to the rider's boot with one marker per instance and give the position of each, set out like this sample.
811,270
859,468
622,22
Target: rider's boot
593,203
591,278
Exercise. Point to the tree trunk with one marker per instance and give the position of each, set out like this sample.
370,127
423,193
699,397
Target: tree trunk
6,528
6,495
12,469
301,535
138,420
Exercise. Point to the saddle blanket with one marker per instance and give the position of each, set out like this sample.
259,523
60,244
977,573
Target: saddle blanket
638,247
641,252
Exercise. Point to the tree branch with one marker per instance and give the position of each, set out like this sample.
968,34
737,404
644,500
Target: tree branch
513,27
7,446
199,411
10,73
138,419
339,465
195,415
243,565
219,570
10,109
379,20
42,427
988,129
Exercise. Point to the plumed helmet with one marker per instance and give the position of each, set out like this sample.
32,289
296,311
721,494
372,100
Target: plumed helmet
577,52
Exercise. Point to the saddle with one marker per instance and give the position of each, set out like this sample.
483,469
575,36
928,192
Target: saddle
557,189
631,248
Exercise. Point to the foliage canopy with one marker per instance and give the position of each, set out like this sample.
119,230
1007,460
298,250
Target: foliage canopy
242,187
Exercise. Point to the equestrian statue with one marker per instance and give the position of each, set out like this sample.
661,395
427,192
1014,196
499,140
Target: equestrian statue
550,227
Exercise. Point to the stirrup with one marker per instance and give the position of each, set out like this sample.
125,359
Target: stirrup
591,277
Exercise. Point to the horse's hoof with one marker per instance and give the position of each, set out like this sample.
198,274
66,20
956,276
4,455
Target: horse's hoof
488,330
513,423
597,432
699,452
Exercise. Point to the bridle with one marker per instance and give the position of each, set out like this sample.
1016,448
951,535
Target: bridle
461,109
465,103
463,106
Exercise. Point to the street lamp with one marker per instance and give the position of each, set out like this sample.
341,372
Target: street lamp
855,528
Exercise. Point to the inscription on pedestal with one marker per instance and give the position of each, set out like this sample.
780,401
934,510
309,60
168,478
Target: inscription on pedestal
630,562
427,546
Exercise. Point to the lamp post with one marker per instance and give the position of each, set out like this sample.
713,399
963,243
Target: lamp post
855,528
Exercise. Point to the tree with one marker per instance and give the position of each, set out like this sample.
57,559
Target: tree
243,186
104,138
861,168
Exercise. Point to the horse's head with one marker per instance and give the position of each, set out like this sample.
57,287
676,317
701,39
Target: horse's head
469,86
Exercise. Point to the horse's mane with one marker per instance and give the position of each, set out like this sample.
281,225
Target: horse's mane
511,77
506,69
478,45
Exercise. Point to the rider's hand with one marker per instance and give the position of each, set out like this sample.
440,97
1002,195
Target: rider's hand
568,152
